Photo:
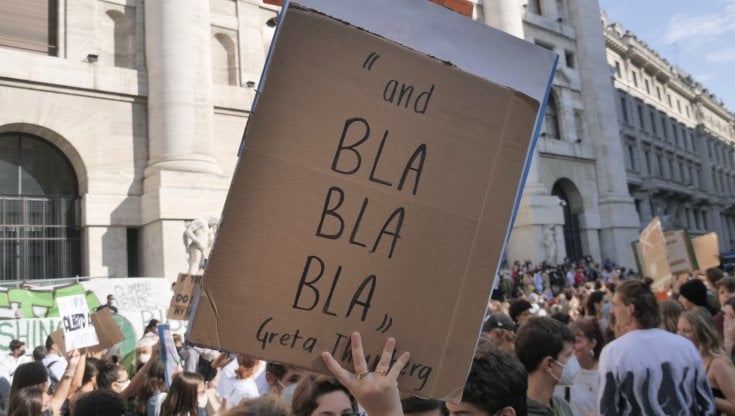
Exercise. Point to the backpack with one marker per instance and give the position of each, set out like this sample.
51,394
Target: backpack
205,369
53,381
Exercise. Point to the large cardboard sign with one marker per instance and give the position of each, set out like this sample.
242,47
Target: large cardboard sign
186,288
77,322
652,249
680,252
374,193
707,249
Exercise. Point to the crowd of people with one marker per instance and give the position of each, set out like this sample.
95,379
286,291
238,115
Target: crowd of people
582,339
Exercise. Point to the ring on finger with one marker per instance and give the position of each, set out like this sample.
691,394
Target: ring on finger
382,372
362,375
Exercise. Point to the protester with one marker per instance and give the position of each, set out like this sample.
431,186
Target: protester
54,362
643,353
497,385
697,326
693,293
670,310
282,380
417,406
544,346
317,395
16,356
88,384
109,305
261,406
498,329
35,375
520,311
29,401
588,343
725,290
100,402
186,396
150,398
244,386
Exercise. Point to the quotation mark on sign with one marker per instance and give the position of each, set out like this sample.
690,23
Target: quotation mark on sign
385,325
370,61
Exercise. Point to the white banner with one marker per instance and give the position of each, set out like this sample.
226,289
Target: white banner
77,322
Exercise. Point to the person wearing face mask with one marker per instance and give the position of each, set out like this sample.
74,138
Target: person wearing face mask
282,380
35,375
544,347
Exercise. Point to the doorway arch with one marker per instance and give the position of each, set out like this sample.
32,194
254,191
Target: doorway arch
40,221
571,202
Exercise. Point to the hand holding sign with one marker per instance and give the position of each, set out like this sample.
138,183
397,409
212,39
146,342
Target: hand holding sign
377,392
78,329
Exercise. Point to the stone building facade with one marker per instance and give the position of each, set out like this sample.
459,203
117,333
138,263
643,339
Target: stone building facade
677,139
121,122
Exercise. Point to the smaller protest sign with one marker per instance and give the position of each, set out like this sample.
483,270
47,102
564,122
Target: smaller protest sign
108,332
680,253
76,322
58,338
169,355
654,260
186,289
707,250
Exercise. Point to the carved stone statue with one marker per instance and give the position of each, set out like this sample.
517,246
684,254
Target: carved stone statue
198,240
549,241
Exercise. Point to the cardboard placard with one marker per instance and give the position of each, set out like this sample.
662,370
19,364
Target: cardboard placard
186,289
707,249
374,194
77,322
108,331
58,338
680,252
654,260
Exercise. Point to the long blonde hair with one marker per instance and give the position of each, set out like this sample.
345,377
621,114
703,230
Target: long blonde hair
703,326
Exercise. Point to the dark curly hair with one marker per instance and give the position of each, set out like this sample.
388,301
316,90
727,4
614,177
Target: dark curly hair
497,380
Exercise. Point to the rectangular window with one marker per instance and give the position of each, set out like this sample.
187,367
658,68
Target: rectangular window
668,98
658,93
653,123
678,106
569,58
30,25
660,165
687,108
647,155
631,156
640,117
534,6
617,69
624,109
648,88
635,79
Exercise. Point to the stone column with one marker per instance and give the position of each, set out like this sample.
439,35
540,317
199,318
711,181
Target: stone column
537,208
183,179
180,111
617,210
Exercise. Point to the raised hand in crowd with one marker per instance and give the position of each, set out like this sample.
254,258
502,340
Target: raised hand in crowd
376,391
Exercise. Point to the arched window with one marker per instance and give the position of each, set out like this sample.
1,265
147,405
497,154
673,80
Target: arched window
550,128
39,210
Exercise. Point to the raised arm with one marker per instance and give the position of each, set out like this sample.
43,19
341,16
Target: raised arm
377,391
62,388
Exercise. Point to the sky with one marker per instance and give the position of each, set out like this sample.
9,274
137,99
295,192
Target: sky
696,35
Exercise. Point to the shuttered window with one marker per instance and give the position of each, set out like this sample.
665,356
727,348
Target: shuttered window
31,25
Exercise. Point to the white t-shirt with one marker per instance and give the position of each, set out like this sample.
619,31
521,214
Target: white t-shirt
653,372
584,391
226,378
242,389
55,364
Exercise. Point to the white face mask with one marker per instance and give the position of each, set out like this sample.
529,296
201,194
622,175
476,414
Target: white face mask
287,393
143,358
202,401
569,374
